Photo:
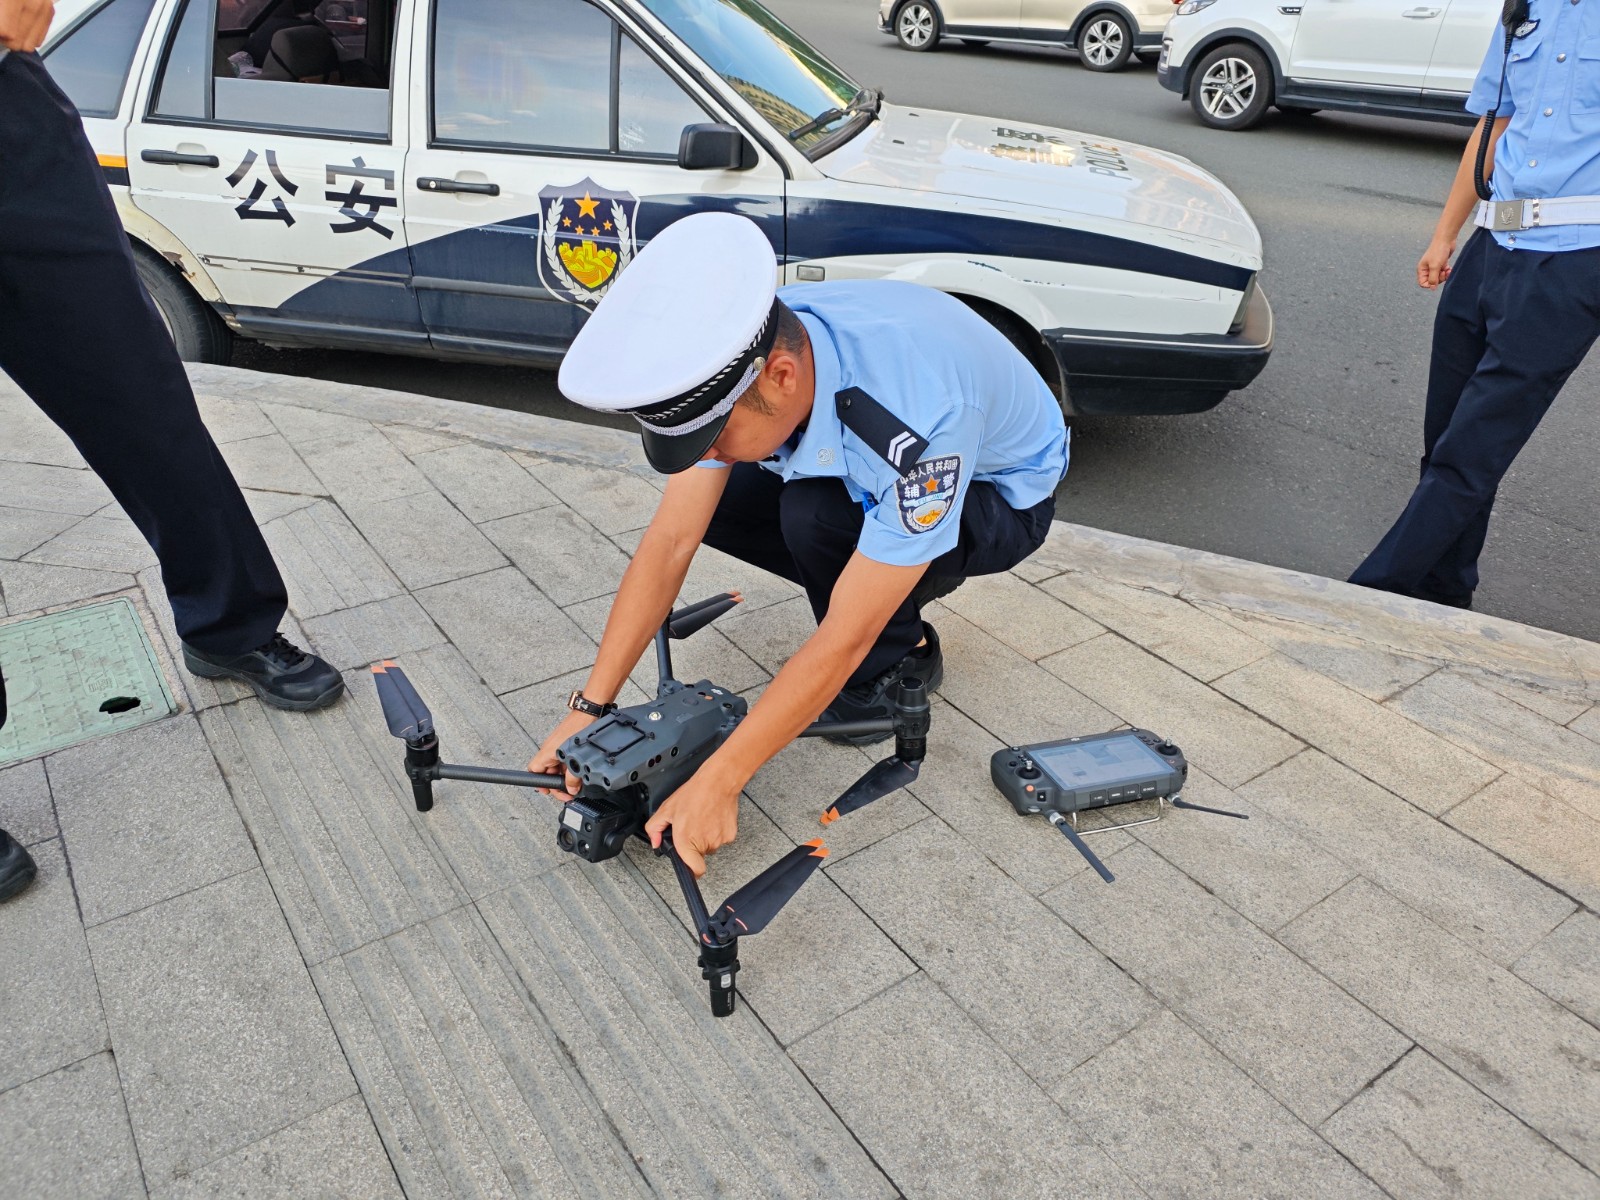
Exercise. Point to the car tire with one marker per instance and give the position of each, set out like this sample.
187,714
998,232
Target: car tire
196,330
916,25
1231,87
1105,42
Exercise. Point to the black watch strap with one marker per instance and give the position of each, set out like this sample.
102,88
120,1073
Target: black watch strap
578,702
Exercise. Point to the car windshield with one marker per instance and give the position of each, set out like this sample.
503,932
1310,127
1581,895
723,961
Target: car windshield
786,80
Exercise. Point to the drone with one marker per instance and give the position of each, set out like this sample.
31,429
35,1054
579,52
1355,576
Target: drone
631,760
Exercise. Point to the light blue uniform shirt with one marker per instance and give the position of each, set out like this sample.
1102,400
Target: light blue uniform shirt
1552,95
946,376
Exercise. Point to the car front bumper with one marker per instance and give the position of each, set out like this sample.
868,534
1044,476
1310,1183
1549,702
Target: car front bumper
1166,75
1137,374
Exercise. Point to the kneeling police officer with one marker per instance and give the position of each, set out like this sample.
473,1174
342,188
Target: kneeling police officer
874,442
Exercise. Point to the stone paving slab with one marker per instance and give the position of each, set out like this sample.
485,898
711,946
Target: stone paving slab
47,989
1183,1121
66,1134
1517,1046
1422,1130
219,1037
1383,982
1290,1029
943,1110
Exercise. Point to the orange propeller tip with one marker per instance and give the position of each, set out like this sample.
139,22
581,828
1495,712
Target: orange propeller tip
814,842
820,852
829,817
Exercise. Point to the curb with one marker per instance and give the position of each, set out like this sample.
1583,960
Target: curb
1415,628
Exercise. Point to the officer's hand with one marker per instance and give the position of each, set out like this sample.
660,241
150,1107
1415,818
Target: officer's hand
1434,266
546,763
704,816
23,23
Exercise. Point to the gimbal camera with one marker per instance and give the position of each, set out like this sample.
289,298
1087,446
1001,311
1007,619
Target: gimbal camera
631,760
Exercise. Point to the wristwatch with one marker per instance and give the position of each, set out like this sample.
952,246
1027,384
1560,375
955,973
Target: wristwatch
578,702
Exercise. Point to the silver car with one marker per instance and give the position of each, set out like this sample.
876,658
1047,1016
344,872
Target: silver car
1105,33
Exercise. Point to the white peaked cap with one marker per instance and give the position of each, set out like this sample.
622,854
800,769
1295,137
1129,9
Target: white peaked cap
680,334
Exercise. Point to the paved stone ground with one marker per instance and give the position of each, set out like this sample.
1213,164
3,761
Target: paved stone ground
252,968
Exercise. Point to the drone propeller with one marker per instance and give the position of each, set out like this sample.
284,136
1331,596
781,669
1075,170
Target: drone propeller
892,774
692,618
407,716
751,909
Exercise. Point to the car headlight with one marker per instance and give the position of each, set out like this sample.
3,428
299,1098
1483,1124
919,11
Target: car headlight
1189,7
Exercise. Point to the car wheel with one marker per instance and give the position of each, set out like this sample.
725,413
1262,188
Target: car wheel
916,25
196,329
1105,43
1232,87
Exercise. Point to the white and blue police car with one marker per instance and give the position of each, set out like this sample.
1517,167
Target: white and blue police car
465,178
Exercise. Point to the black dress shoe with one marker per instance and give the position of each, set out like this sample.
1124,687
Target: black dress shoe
874,700
16,866
281,673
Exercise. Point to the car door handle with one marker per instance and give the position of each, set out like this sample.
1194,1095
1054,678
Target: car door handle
1421,14
430,183
174,159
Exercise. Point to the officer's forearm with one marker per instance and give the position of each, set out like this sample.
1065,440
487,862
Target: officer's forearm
645,597
1463,196
794,699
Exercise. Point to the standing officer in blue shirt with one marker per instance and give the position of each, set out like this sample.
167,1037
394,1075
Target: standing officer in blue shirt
874,442
1521,307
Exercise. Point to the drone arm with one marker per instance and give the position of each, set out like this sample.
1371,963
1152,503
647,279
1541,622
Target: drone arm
516,778
719,959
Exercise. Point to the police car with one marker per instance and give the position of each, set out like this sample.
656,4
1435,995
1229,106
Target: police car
465,178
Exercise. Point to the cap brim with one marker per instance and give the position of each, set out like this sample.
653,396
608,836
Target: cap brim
669,455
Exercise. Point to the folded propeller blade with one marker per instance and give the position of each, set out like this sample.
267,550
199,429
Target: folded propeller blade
692,618
892,774
403,710
751,908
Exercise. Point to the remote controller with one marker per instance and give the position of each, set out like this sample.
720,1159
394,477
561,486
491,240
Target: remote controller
1089,772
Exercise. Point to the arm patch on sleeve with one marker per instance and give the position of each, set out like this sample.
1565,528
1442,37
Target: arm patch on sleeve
890,438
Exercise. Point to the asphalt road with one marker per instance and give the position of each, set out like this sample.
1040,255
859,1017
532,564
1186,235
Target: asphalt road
1309,465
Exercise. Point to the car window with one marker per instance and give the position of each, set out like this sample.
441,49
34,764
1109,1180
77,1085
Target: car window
295,65
550,75
91,63
782,77
240,14
651,108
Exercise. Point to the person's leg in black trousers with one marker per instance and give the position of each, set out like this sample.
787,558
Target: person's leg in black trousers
1539,314
807,529
81,337
16,864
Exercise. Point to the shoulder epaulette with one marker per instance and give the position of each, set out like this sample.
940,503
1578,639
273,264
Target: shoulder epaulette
890,438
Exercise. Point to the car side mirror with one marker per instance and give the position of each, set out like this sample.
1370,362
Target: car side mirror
715,148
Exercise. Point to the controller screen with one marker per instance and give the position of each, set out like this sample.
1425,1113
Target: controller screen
1100,764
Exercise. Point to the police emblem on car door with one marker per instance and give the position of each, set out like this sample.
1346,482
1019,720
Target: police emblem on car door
586,238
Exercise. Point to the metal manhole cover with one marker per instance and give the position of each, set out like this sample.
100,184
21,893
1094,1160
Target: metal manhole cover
77,675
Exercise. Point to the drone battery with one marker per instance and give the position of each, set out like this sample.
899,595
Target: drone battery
1089,772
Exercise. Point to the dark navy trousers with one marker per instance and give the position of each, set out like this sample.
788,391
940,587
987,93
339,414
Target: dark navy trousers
806,530
81,337
1512,325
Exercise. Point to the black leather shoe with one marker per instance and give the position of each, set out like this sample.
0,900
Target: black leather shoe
281,673
874,700
16,866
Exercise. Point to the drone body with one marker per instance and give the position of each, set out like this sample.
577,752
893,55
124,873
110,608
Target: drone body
631,760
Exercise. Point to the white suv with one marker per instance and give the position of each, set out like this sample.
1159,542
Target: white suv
1105,33
1233,59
